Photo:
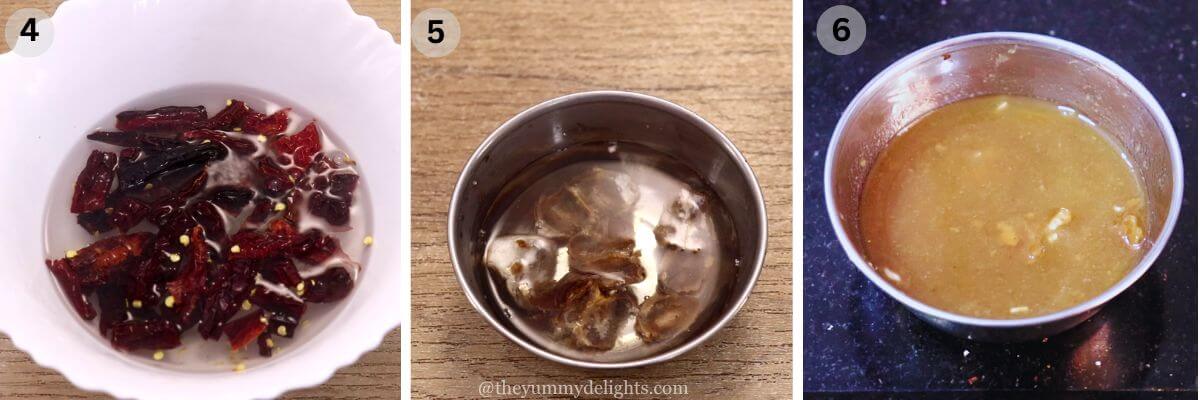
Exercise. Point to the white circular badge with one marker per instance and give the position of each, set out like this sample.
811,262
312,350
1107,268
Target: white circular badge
29,32
435,32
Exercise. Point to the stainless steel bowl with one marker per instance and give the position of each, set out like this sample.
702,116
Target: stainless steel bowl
604,116
1004,63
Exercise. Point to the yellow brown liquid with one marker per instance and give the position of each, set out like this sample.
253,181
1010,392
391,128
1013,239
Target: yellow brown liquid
1003,207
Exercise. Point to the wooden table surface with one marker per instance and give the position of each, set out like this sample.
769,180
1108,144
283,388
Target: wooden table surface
730,62
375,376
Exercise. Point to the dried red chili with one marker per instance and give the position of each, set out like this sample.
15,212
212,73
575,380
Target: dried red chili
151,286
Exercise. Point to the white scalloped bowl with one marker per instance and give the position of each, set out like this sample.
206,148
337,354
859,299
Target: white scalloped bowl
321,58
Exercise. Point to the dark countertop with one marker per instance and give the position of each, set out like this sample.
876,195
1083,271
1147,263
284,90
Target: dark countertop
857,340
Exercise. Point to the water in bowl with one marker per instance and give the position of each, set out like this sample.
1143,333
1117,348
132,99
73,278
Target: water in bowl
609,251
62,233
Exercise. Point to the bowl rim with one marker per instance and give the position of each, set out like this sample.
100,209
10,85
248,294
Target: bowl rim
1036,40
578,98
